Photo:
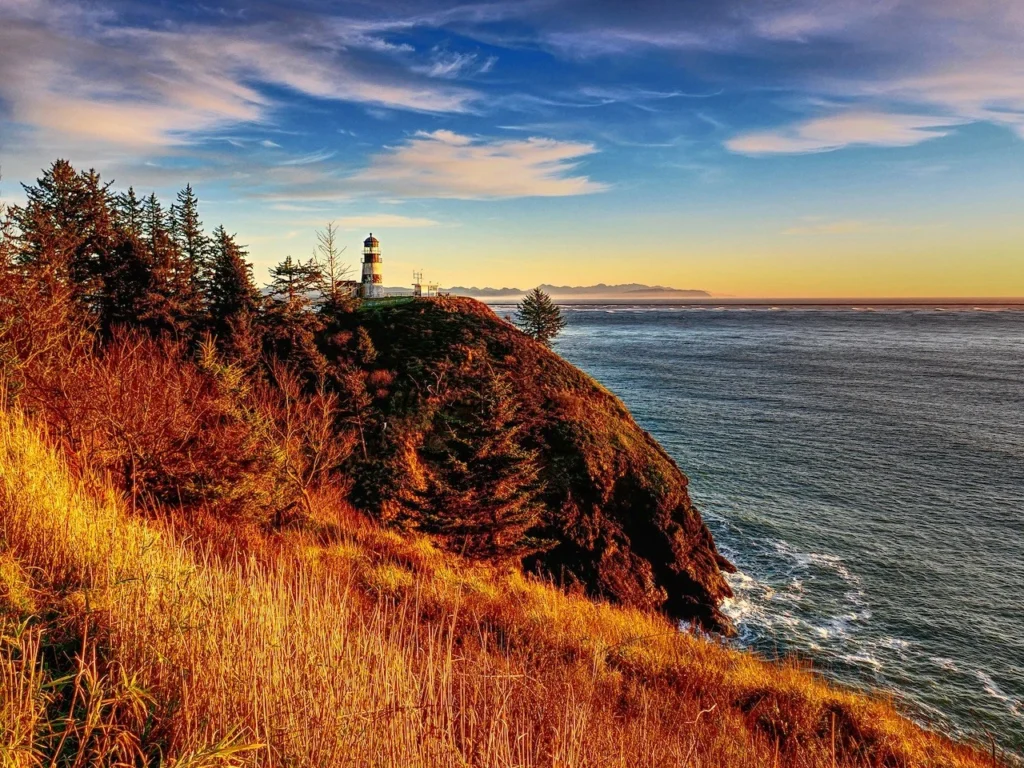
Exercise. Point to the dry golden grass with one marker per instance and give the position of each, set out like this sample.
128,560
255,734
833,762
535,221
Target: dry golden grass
125,643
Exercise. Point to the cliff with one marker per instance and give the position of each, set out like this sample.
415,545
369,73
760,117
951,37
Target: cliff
617,518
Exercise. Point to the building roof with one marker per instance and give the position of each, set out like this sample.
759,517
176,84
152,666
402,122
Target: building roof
371,240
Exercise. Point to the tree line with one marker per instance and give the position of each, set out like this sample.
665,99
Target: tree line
145,345
131,261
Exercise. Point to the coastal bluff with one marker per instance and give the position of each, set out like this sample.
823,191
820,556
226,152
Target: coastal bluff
617,518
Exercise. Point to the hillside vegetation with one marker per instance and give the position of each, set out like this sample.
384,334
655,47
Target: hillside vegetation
147,350
285,527
130,643
614,513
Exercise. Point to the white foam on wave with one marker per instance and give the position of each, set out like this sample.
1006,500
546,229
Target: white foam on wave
991,688
1013,704
825,561
857,597
862,659
895,643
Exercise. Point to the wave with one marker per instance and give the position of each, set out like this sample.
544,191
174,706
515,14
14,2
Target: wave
1015,706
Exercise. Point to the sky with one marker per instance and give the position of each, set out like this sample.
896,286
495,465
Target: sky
751,148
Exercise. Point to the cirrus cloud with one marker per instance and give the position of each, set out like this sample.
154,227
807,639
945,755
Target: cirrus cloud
69,75
385,221
445,164
825,134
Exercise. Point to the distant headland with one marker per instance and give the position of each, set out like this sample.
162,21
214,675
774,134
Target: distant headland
633,291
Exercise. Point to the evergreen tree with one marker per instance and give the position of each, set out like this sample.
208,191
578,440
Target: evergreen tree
171,302
291,326
50,221
130,286
129,212
292,281
231,290
539,317
187,229
66,231
155,223
483,495
94,262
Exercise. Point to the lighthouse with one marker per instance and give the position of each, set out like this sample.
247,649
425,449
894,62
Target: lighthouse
373,280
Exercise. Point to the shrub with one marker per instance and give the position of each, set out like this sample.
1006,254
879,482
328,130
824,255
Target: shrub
167,430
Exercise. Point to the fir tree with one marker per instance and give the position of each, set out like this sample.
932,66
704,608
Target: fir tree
155,224
292,281
129,212
187,231
231,290
171,302
290,324
50,221
66,231
539,317
483,496
129,286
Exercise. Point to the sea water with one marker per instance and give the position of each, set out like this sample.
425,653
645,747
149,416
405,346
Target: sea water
864,470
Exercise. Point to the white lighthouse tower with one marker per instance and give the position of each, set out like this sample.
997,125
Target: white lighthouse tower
373,280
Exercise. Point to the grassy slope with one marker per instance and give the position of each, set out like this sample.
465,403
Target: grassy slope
349,645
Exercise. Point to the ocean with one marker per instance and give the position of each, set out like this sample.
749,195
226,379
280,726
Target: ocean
864,470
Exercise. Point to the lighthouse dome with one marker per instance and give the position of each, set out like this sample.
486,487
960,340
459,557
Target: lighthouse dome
371,240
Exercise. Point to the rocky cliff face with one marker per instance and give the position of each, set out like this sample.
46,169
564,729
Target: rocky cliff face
617,516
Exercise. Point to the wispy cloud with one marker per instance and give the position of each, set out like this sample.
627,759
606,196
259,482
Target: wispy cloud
826,134
957,58
385,221
843,227
450,64
314,157
449,165
94,81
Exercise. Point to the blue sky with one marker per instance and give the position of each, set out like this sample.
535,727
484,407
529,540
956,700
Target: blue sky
787,148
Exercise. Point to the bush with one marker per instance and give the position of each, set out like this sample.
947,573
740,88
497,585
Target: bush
167,430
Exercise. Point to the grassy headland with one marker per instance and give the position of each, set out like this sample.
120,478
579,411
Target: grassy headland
127,642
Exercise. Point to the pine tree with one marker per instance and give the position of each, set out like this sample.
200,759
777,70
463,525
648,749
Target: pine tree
50,221
483,496
231,290
129,285
171,303
290,324
539,317
129,212
292,281
94,262
155,224
187,231
66,231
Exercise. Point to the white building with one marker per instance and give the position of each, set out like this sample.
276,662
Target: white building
420,288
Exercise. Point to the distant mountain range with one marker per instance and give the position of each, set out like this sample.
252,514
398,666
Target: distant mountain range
599,291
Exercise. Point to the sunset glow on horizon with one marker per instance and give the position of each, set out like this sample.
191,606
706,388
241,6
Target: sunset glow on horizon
800,149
